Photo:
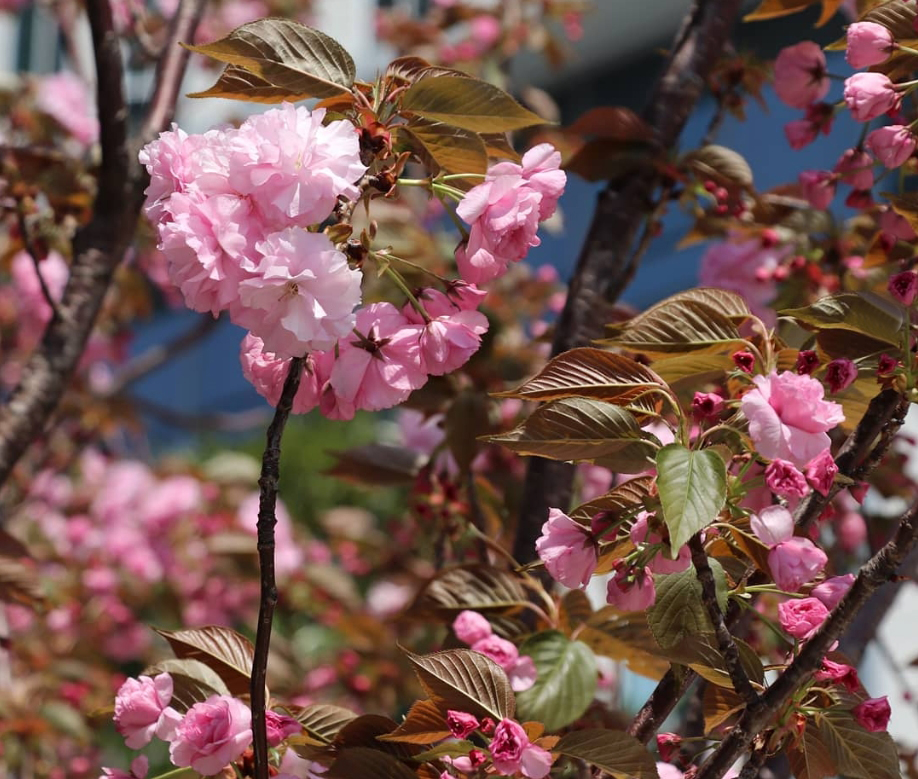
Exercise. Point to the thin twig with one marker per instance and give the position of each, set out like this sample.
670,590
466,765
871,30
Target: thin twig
267,519
725,642
879,570
24,234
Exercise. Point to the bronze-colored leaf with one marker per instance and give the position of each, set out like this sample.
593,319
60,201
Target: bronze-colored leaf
424,724
856,752
719,705
444,148
863,313
614,752
575,610
368,764
19,583
223,650
192,681
380,464
614,122
236,83
476,587
810,758
286,55
772,9
323,721
625,496
721,164
467,103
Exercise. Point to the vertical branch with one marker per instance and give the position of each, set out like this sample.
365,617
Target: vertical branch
267,519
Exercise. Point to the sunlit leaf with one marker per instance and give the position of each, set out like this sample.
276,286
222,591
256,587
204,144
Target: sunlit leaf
467,103
566,681
701,654
466,681
286,55
693,490
679,611
575,610
856,752
612,751
424,724
864,313
579,429
619,499
724,302
236,83
192,681
772,9
719,704
477,587
446,149
221,649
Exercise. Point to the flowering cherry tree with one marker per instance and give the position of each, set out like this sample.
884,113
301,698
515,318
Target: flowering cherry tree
726,440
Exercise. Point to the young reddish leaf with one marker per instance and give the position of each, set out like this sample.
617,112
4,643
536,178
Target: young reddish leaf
575,610
380,464
10,546
719,704
444,148
625,496
589,373
236,83
368,763
192,681
614,122
580,429
810,758
600,159
566,681
468,103
498,147
424,724
612,751
863,313
693,489
856,752
323,721
466,681
286,55
772,9
476,587
407,68
368,730
221,649
724,302
678,611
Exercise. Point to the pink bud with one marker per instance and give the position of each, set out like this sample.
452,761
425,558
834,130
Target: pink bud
817,187
800,74
869,44
783,479
832,590
840,374
904,287
821,471
869,95
838,672
470,627
873,714
807,361
802,618
892,145
460,724
707,405
631,590
795,562
855,167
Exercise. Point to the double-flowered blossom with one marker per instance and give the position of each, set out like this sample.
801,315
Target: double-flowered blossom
512,752
869,95
793,560
142,709
567,549
789,418
211,735
453,333
802,618
504,212
873,714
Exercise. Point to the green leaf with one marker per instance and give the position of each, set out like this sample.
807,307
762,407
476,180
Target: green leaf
466,681
424,724
579,429
679,611
612,751
857,753
723,165
445,148
477,587
468,103
591,373
236,83
285,55
676,326
566,681
368,764
863,312
810,758
192,681
221,649
693,490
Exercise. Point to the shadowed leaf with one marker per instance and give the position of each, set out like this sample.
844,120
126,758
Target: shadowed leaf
625,496
810,758
477,587
424,724
720,164
322,721
466,681
192,681
615,752
864,313
856,752
368,763
380,464
566,681
614,122
678,611
19,583
467,103
286,55
702,655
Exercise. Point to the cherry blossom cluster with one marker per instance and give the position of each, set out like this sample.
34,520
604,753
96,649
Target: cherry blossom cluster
210,736
473,629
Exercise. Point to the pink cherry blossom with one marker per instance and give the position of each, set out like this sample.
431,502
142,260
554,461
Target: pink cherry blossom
794,562
139,767
707,406
744,267
501,651
470,627
785,480
855,168
892,145
869,44
838,672
34,310
840,374
302,295
832,590
512,752
802,618
904,287
869,95
140,709
772,525
267,374
451,337
818,187
821,471
541,171
279,727
895,227
631,590
460,723
211,735
800,74
567,549
293,166
522,674
66,98
873,714
379,365
788,417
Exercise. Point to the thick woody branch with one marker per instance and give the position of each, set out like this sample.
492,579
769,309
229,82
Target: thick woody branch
880,569
99,246
725,642
607,259
662,701
267,519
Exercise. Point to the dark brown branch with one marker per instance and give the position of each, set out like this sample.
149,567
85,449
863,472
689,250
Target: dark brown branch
725,642
607,260
879,570
754,763
267,519
99,246
662,701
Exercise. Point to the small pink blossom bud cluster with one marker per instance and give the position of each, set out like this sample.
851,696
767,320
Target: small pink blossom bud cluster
504,213
473,629
207,738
